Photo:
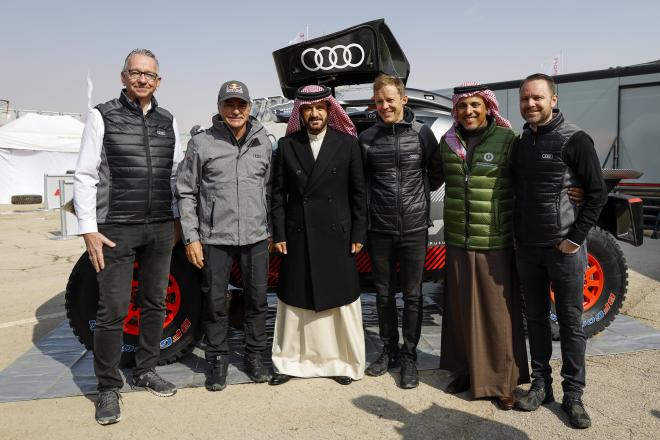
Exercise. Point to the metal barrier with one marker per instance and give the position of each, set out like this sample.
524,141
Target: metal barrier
52,189
68,220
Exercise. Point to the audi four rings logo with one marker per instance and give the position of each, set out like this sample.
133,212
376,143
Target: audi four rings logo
335,57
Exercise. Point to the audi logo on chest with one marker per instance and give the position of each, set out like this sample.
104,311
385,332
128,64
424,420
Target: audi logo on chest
332,57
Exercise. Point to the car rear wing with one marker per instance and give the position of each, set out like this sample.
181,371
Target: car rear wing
352,56
623,215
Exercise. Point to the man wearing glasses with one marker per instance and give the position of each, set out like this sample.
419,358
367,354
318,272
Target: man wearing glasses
123,186
223,192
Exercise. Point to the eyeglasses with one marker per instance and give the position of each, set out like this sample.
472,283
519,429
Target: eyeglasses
136,74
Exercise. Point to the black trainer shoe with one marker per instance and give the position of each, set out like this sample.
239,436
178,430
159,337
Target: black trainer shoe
409,377
254,368
155,384
342,380
107,407
279,379
216,376
388,359
536,396
577,415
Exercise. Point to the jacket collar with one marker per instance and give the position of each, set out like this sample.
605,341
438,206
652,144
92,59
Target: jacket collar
253,128
556,121
314,168
487,130
134,106
408,118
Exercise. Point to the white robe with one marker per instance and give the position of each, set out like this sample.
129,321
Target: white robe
307,343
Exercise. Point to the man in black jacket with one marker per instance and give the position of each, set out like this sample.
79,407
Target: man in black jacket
397,151
127,164
550,232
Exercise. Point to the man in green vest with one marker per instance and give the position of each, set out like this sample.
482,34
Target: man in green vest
483,342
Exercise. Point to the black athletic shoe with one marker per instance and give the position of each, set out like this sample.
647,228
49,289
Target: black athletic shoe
279,379
342,380
536,396
577,415
216,376
254,368
387,359
155,384
107,407
409,376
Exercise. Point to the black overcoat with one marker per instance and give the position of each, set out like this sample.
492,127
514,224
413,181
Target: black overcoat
319,209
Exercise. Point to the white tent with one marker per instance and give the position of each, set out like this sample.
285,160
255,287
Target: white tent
34,145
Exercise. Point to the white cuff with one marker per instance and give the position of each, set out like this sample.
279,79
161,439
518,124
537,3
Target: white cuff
87,226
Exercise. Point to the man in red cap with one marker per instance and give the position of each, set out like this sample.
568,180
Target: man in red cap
319,224
222,189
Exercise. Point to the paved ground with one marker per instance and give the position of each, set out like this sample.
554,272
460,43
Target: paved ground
623,393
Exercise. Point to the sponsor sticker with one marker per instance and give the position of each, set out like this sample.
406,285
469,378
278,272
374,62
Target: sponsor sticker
234,88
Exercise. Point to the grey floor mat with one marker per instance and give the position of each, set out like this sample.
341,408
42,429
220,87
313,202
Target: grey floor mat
58,366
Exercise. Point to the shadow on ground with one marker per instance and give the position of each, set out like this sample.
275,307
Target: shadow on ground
46,322
436,421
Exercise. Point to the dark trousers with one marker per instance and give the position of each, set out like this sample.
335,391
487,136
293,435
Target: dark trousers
410,251
538,268
253,259
151,244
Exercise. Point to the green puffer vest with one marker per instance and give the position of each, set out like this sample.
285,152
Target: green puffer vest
478,210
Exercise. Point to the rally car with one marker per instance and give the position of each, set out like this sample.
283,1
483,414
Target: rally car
355,56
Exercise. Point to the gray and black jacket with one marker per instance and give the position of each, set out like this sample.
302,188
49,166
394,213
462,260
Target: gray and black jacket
223,186
546,163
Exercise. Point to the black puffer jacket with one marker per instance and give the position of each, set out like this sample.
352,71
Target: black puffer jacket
136,163
546,163
396,159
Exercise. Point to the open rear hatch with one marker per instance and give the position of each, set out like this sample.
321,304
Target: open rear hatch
352,56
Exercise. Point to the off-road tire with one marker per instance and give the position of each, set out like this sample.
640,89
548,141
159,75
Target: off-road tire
182,326
607,277
26,199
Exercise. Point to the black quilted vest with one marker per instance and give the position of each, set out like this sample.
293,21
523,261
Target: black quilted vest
397,184
544,214
136,163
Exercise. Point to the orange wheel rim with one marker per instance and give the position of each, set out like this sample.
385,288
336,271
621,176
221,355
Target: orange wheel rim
594,281
172,304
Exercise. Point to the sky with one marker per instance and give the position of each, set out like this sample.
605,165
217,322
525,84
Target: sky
48,47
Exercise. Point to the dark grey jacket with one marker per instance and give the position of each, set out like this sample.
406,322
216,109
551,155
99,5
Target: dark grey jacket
223,190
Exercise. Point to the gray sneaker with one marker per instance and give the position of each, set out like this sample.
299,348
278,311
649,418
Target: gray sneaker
107,407
155,384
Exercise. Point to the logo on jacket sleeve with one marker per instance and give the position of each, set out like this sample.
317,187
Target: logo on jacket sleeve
161,132
488,157
546,156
